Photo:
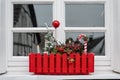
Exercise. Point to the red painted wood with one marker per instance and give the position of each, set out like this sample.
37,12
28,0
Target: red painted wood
32,62
58,63
38,63
64,64
77,63
91,62
71,64
84,63
52,63
45,63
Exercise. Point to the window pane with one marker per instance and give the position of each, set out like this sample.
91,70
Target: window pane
84,15
23,43
96,41
32,15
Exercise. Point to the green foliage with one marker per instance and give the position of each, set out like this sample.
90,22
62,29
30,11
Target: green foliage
70,46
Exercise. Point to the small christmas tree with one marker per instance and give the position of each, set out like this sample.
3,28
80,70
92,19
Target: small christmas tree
50,42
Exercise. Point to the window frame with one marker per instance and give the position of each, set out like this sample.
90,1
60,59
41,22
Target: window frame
11,29
105,29
59,14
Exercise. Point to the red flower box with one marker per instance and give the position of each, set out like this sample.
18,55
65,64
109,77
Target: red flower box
59,64
65,63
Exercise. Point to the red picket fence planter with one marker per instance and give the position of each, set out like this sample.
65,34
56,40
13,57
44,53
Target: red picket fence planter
59,64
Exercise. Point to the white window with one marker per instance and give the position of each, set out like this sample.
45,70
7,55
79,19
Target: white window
25,27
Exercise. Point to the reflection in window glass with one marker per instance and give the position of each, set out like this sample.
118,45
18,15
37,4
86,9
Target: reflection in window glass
96,41
23,43
84,15
32,15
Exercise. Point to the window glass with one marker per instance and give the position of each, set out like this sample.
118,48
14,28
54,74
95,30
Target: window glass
96,41
32,15
23,43
84,15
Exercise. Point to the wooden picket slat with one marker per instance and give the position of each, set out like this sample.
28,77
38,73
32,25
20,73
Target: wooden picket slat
45,63
77,63
52,63
84,63
71,64
38,63
64,64
32,62
91,62
58,63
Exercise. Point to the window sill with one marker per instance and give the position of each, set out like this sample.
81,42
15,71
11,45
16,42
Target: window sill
28,76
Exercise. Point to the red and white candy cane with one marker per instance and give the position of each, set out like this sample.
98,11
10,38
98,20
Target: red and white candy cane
85,41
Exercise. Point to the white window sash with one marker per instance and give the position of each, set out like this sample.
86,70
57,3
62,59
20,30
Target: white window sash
59,15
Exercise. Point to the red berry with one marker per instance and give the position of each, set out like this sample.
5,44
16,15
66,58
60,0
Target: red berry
61,49
55,23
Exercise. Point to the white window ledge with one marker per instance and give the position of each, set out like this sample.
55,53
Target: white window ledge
28,76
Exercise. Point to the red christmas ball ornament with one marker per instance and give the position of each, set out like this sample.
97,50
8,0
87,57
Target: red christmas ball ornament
55,24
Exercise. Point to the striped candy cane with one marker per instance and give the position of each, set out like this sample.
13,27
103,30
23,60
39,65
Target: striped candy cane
85,42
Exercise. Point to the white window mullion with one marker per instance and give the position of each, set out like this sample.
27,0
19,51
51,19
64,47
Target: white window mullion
31,29
85,29
85,1
59,16
32,1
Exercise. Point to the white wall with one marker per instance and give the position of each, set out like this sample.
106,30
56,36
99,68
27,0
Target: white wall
3,58
116,38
